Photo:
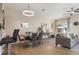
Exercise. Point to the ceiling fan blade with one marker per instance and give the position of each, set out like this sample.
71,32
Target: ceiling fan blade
76,10
68,11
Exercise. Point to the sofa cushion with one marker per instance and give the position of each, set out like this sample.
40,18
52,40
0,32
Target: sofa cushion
71,35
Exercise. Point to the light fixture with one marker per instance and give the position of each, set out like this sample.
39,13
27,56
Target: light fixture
28,12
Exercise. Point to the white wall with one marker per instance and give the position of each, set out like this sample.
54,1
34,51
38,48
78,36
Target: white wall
14,19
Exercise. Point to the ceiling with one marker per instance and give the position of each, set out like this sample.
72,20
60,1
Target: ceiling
52,10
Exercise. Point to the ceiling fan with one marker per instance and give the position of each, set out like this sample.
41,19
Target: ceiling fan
72,11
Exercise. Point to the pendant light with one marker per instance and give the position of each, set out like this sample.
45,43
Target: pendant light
29,12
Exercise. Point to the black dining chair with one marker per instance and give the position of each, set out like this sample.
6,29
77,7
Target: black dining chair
10,40
31,41
34,39
40,38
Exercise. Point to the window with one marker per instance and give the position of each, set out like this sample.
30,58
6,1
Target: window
25,25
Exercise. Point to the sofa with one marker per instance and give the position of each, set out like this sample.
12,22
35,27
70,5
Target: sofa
68,41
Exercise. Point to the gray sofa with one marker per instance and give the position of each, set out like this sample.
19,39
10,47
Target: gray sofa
68,41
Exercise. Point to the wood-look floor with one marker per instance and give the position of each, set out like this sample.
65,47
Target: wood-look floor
47,48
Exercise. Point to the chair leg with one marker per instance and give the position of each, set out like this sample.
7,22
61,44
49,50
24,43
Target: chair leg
9,49
10,52
56,44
